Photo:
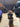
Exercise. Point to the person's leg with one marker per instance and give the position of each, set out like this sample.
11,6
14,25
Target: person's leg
9,23
0,18
12,23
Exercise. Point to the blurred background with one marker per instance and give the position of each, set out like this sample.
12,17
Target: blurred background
9,4
5,6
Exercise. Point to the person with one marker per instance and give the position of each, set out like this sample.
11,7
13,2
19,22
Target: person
0,14
10,18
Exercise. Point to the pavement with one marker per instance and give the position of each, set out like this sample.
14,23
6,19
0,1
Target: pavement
5,20
16,22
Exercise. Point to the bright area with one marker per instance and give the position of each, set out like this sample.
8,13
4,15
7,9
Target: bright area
16,22
5,21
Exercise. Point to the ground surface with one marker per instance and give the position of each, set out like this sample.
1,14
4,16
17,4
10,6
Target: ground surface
5,20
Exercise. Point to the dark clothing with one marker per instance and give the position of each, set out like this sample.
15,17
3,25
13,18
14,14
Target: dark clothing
10,16
0,17
10,21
